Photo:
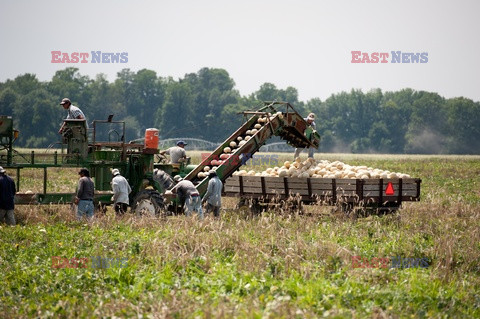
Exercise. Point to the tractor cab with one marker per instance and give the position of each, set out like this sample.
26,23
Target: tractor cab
75,138
7,136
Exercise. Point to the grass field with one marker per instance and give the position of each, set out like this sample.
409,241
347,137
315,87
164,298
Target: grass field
272,265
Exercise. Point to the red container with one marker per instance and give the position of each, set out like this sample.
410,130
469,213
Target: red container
151,138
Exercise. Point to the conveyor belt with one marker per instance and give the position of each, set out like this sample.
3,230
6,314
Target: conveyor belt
289,125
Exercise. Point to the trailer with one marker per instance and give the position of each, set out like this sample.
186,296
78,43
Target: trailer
377,194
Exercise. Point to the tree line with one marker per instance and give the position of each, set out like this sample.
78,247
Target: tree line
205,105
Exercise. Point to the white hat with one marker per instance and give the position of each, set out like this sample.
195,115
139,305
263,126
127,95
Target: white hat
311,117
2,170
177,178
115,172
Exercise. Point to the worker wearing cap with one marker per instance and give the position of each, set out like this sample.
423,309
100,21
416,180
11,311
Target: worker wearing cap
311,122
85,192
188,196
73,113
213,196
177,153
121,189
7,198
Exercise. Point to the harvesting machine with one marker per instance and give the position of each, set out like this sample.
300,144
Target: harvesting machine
81,148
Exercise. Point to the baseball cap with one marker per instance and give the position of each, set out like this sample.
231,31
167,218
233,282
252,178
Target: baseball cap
2,170
65,100
177,178
115,172
84,171
181,142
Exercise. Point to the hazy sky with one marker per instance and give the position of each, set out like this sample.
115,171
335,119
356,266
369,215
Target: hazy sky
304,44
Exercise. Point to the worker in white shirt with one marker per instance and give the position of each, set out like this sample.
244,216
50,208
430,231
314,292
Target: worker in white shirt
121,189
213,196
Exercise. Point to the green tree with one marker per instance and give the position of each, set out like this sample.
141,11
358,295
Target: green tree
427,125
175,117
315,105
8,99
212,89
379,138
149,91
267,92
337,116
70,83
24,84
104,101
230,120
395,112
463,126
39,120
123,90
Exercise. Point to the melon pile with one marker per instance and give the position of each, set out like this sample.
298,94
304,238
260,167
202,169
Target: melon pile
323,169
234,145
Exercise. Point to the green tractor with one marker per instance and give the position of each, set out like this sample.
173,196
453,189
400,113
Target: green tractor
137,162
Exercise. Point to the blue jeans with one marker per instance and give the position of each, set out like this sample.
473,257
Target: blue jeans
8,216
85,209
194,204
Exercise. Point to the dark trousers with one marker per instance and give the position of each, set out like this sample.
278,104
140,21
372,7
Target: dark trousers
120,208
214,209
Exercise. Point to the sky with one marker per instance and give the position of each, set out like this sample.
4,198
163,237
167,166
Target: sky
306,44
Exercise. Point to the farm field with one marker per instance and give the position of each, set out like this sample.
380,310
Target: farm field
271,265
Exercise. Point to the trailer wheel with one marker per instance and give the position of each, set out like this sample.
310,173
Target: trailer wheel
256,207
390,208
347,208
242,202
148,202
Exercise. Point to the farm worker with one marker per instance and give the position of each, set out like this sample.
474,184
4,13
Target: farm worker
177,153
84,198
73,113
121,189
213,196
188,194
7,198
310,119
